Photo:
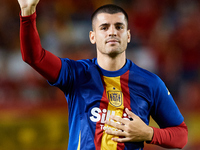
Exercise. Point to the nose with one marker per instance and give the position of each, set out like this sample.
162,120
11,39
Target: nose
112,31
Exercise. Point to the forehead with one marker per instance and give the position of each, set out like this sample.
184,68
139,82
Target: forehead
103,18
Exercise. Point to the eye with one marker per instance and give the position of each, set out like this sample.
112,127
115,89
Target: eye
104,28
119,27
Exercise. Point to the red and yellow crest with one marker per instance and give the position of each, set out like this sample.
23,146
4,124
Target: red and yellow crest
115,98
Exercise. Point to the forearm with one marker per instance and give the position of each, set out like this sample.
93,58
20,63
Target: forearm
47,64
171,137
31,48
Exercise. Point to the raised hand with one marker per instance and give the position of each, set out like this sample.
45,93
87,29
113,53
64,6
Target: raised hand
28,7
130,131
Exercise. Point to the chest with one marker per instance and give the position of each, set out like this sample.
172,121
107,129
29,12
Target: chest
105,96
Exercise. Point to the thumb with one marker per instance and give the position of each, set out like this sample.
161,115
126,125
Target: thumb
131,114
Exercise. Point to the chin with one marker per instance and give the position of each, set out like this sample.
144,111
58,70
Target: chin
115,53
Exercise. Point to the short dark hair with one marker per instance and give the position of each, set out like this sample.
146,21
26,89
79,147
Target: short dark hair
110,9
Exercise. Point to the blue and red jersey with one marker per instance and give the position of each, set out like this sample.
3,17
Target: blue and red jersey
93,94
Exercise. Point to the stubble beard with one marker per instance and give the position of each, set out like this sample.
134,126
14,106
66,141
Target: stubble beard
112,50
115,53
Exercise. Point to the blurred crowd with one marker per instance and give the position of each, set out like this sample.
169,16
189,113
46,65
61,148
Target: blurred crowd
165,40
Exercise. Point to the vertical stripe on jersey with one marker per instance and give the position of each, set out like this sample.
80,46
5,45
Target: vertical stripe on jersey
116,106
125,90
100,123
79,141
126,96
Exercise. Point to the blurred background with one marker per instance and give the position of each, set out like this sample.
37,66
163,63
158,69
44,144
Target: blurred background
165,40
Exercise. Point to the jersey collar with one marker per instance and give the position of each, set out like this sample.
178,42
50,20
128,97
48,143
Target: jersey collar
119,72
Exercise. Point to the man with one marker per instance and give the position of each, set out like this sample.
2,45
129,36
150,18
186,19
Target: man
110,99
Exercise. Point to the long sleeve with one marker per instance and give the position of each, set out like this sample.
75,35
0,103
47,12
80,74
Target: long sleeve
171,137
46,63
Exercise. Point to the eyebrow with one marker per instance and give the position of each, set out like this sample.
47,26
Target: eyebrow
103,24
106,24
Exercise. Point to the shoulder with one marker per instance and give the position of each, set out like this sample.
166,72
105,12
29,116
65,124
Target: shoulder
147,82
81,70
144,75
75,72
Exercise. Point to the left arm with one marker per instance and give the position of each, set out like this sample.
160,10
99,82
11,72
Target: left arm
170,137
137,131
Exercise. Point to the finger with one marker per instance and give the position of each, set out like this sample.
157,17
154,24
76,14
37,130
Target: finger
121,140
116,133
117,125
118,119
131,114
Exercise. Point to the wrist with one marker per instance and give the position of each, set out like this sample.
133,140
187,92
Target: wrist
26,11
150,134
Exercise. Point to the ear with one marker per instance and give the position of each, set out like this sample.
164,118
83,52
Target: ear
129,36
92,37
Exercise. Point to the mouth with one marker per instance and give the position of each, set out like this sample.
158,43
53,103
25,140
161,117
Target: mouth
112,41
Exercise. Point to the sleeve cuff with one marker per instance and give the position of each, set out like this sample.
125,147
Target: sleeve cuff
32,16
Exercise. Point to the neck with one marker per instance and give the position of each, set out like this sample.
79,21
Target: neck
111,63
